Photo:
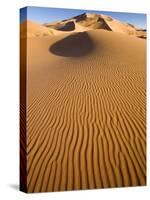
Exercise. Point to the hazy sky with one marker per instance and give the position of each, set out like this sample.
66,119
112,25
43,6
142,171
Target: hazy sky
44,15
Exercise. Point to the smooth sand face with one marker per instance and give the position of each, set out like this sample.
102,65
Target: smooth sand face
86,111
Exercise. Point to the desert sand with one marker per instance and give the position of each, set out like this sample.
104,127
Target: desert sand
85,104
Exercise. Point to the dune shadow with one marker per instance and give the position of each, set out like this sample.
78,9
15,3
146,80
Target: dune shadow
80,17
74,45
70,26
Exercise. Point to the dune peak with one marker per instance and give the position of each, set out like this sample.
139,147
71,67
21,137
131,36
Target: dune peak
84,22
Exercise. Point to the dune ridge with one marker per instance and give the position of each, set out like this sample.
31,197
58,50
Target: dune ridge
86,111
90,21
80,23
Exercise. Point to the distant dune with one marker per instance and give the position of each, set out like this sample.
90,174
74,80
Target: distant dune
81,23
88,21
86,104
32,29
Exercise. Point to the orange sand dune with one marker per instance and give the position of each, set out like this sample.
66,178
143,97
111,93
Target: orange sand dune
86,111
81,23
83,104
90,21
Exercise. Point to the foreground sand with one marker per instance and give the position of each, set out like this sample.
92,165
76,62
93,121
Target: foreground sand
86,111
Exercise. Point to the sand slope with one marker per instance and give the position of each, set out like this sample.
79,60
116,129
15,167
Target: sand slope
32,29
86,111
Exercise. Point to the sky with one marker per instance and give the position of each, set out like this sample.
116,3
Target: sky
45,15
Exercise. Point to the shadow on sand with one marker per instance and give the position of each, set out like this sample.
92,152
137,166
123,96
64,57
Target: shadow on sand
70,26
74,45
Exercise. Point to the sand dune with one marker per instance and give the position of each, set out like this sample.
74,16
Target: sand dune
85,104
81,23
86,112
32,29
90,21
